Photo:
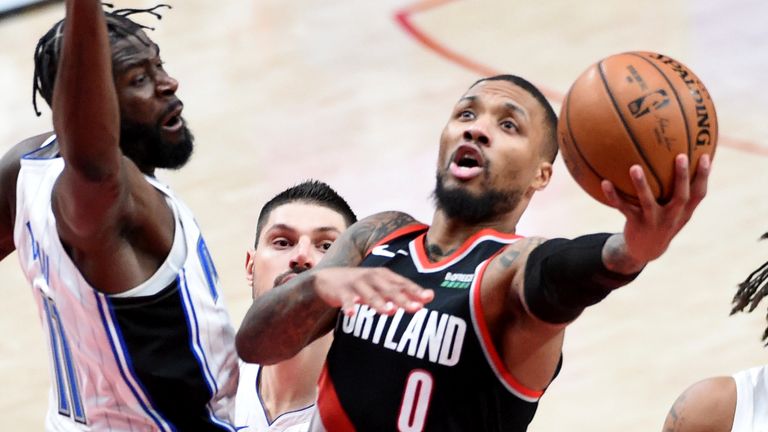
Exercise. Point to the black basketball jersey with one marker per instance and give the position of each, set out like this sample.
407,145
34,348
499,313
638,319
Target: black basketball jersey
434,370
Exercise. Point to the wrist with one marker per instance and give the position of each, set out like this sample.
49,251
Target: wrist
618,258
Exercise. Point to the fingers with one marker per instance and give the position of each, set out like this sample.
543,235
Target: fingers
700,180
609,190
387,291
682,191
645,196
380,288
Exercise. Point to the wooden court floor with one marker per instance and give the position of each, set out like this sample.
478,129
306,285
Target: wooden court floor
277,91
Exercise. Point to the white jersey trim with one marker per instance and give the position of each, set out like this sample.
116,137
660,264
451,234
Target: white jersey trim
170,268
416,255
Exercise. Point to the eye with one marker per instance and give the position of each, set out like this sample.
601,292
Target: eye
324,245
466,115
281,243
509,125
138,80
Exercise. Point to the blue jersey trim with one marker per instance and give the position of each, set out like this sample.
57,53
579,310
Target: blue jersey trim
147,410
196,346
63,397
31,155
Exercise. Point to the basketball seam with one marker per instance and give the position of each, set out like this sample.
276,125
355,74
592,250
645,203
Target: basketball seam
679,103
629,132
584,159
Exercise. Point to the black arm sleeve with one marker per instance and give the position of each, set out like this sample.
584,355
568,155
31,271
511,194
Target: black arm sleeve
562,277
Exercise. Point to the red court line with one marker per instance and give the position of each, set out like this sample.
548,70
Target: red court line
403,18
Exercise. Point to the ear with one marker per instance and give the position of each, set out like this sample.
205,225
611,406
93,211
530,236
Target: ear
249,266
543,176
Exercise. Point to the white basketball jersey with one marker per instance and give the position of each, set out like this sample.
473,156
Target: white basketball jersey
250,413
159,362
751,400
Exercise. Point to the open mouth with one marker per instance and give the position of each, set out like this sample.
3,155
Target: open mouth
172,122
467,162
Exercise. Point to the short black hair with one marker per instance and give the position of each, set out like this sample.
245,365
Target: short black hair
550,118
48,49
310,192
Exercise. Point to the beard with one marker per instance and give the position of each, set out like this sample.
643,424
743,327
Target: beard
146,147
462,205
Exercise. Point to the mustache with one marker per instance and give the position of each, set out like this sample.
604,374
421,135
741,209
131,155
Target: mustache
280,279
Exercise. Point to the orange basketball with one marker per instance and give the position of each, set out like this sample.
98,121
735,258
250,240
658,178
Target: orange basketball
635,108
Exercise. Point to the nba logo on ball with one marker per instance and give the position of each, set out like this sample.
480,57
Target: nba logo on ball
635,108
643,105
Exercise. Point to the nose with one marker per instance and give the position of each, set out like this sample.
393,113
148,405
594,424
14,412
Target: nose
302,258
166,85
476,134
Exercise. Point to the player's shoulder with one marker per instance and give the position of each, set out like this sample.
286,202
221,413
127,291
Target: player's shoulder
373,229
11,158
708,405
392,218
10,163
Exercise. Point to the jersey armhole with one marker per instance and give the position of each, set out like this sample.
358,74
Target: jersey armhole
486,343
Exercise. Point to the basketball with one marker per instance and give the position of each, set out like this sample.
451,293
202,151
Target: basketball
635,108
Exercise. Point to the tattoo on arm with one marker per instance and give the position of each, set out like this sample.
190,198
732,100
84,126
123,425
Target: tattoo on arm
371,230
516,249
674,420
290,316
616,258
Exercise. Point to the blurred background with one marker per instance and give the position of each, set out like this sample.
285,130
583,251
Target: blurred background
277,91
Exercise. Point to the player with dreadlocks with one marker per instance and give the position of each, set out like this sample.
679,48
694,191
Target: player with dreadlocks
127,292
737,403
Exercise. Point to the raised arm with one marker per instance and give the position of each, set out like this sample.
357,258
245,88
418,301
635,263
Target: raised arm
86,119
289,317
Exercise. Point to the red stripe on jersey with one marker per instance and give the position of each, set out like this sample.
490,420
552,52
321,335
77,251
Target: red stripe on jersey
421,253
397,233
485,338
328,405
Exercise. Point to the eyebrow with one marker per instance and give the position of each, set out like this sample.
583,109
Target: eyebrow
516,108
510,106
122,66
286,227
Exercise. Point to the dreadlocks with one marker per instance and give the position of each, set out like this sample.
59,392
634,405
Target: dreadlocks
752,291
119,26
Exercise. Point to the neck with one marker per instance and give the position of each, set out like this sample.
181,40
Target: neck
446,234
292,384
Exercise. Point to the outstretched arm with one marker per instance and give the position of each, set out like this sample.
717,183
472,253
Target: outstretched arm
563,277
86,119
289,317
535,288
